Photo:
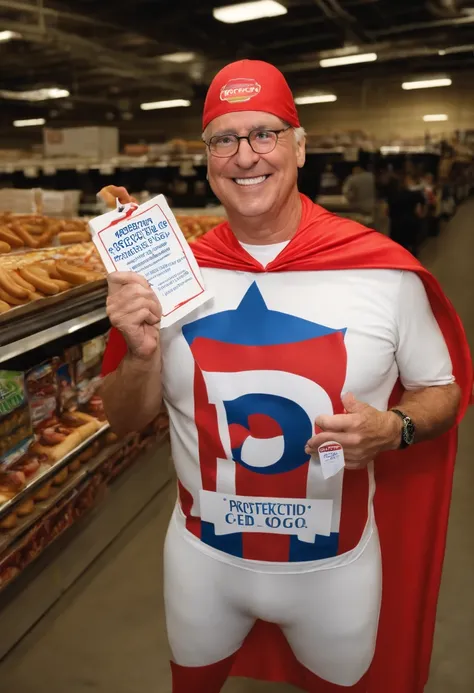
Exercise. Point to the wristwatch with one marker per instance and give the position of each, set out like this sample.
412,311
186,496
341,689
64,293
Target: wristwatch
408,430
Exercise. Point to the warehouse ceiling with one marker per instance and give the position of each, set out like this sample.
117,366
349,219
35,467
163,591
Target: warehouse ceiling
109,56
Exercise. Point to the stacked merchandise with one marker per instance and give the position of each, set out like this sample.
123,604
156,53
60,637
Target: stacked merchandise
19,200
56,453
341,140
173,148
58,203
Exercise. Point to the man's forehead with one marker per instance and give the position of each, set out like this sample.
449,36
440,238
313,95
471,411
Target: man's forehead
243,121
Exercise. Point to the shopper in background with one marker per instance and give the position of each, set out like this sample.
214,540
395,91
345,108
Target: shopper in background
432,201
330,184
360,190
272,562
406,209
429,188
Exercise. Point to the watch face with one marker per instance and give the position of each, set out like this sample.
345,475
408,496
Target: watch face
409,432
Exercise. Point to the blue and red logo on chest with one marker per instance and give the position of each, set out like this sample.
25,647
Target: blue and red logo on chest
261,378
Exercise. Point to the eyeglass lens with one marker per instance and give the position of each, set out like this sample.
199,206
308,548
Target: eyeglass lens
261,141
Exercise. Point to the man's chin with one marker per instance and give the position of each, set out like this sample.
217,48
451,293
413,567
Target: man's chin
250,208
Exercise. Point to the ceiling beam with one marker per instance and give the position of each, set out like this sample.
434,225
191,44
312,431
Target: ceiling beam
422,26
385,52
146,70
40,9
352,29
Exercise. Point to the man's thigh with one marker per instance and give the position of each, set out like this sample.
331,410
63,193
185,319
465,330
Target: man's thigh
204,618
333,627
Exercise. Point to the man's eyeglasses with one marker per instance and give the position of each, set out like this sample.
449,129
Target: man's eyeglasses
261,141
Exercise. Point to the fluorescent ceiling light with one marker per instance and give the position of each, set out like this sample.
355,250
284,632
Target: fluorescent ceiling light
467,48
427,83
181,57
435,117
348,60
315,98
171,103
247,11
35,94
28,123
8,35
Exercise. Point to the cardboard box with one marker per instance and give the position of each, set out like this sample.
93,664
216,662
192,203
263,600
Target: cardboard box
90,143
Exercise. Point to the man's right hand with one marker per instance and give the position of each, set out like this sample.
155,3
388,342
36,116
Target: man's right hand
111,193
133,308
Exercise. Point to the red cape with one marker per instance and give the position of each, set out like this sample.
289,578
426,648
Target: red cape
418,480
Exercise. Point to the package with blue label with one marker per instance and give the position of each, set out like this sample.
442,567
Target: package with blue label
16,431
147,239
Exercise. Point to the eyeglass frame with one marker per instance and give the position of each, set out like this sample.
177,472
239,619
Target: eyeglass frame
246,137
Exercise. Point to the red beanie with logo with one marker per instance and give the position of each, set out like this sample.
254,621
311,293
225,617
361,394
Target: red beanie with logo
250,85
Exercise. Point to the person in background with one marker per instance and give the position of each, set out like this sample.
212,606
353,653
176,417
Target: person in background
330,184
429,188
431,194
359,189
406,210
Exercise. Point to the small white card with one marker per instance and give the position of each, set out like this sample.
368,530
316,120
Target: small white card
147,239
301,517
331,457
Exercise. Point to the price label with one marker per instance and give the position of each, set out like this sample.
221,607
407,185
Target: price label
331,457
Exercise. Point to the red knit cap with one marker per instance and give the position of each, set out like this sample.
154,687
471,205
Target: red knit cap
250,85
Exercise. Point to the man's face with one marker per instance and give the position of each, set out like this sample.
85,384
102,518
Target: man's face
248,183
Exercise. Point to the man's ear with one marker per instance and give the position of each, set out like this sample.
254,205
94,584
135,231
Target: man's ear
301,152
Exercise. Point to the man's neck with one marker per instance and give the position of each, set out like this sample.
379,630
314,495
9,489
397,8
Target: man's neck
276,227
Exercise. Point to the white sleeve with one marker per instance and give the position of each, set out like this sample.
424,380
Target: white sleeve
422,355
347,186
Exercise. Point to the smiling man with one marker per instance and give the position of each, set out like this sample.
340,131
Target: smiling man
320,331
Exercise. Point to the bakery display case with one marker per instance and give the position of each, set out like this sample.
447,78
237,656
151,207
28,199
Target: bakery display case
58,457
56,449
59,460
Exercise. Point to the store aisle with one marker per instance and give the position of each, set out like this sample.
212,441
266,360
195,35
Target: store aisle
107,635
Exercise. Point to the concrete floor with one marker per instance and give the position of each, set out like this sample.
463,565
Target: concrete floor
107,633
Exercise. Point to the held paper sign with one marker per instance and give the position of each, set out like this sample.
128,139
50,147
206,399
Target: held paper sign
147,240
298,516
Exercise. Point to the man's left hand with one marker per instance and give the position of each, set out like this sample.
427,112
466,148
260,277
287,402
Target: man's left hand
363,432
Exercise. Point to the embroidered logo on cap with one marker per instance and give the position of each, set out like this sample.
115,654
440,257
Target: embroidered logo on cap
240,89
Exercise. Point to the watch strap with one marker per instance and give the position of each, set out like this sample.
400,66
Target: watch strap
403,443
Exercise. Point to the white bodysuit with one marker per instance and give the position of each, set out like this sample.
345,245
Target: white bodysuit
257,532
